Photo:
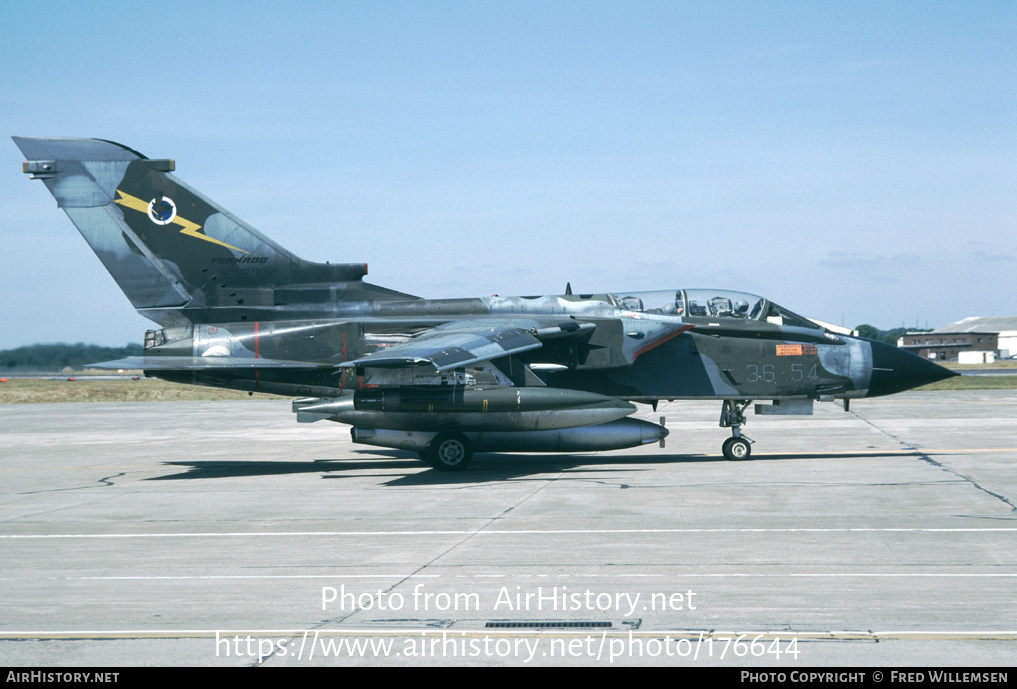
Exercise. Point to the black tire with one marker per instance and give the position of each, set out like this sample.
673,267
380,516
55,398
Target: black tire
450,452
736,449
425,456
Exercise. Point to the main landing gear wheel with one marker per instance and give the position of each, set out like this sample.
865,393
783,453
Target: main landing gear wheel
449,452
737,448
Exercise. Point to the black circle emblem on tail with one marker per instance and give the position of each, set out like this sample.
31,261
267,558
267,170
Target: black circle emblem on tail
162,210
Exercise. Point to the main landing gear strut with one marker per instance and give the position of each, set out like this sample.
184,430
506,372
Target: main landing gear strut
732,415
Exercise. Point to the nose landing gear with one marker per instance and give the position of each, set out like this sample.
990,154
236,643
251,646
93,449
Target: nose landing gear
732,415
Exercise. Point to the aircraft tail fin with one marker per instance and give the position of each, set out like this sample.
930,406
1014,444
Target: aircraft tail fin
178,256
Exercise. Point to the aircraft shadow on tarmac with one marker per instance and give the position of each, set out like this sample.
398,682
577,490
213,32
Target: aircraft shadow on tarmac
485,468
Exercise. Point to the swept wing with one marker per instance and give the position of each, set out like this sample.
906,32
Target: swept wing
462,343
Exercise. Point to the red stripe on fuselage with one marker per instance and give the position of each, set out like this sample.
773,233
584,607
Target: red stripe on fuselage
257,355
670,336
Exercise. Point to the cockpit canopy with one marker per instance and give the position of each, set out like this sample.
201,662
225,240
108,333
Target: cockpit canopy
711,303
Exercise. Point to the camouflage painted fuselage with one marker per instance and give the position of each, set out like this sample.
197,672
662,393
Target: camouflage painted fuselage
240,311
627,354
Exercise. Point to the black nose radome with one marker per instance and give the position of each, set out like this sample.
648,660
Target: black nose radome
895,370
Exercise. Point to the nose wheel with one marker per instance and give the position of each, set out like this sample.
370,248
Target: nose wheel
737,448
732,415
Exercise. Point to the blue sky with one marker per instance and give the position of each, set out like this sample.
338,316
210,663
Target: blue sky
856,162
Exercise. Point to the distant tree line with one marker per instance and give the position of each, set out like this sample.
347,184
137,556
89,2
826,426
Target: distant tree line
887,336
53,357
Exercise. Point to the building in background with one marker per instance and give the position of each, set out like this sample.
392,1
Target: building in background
973,340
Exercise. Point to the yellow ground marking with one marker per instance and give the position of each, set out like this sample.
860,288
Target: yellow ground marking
844,454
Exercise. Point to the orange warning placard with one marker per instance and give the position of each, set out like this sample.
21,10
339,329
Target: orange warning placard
789,350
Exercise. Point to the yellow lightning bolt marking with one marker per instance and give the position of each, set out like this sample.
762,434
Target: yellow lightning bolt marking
189,228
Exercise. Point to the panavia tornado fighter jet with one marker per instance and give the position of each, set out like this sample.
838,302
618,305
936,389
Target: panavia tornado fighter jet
440,377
